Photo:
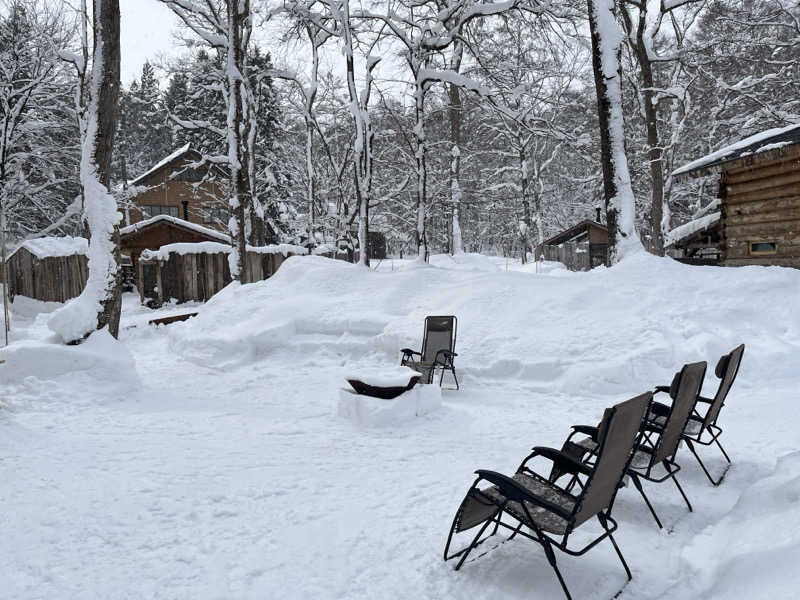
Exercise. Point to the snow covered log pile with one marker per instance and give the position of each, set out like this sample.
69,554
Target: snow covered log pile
196,271
51,269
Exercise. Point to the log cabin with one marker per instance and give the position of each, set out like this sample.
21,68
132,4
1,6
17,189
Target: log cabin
181,185
759,197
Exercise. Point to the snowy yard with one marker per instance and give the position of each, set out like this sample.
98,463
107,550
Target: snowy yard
205,459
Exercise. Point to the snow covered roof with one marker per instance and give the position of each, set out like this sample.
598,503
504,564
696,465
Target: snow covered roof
574,231
162,163
48,247
692,227
217,248
774,141
212,233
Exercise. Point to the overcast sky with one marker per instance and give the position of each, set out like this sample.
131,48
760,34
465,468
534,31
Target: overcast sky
146,28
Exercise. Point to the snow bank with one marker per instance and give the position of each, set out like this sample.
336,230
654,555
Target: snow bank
100,357
605,331
48,247
748,553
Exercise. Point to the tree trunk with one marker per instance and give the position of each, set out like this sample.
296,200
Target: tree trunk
422,175
102,294
606,39
454,112
525,227
240,188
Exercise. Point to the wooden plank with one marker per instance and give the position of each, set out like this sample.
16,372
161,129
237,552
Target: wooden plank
763,260
788,228
172,319
768,170
776,181
776,192
763,217
763,206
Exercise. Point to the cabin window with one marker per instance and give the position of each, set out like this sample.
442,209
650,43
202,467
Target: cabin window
216,214
762,248
153,210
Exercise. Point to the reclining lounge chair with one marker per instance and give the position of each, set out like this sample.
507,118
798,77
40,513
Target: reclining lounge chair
702,428
438,349
659,443
548,512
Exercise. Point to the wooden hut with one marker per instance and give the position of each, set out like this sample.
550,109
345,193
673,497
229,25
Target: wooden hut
581,247
759,197
153,233
697,242
196,271
51,269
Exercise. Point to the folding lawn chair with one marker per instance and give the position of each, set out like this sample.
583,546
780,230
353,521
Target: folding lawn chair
698,425
548,511
438,349
660,440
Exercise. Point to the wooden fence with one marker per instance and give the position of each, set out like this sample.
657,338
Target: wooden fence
50,279
575,255
195,272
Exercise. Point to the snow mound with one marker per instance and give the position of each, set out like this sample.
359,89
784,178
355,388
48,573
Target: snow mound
748,553
607,331
100,357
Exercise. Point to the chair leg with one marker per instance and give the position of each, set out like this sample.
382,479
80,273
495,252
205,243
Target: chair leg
638,485
454,377
680,489
725,454
616,548
703,466
472,545
551,558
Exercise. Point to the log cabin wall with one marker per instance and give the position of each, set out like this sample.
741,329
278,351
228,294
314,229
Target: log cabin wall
761,212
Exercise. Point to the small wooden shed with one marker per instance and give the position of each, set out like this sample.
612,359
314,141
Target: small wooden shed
697,242
759,197
155,232
196,271
581,247
51,269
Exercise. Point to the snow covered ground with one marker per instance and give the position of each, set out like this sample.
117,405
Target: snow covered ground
206,459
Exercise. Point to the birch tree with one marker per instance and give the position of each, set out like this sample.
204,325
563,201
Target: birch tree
99,304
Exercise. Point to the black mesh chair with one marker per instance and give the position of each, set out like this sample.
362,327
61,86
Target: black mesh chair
654,460
549,512
438,350
702,427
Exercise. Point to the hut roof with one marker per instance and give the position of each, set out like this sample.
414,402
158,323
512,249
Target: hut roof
574,231
769,144
48,247
162,220
693,227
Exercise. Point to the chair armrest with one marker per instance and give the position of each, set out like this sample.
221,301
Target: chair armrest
589,430
517,493
704,399
410,352
662,388
562,460
447,360
659,409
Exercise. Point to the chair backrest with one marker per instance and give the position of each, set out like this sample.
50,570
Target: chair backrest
440,334
727,368
619,434
688,386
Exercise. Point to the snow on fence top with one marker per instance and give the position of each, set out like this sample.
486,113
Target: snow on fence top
771,139
180,151
692,227
182,248
223,237
49,247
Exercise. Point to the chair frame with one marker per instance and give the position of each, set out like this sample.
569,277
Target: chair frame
444,359
648,446
512,491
